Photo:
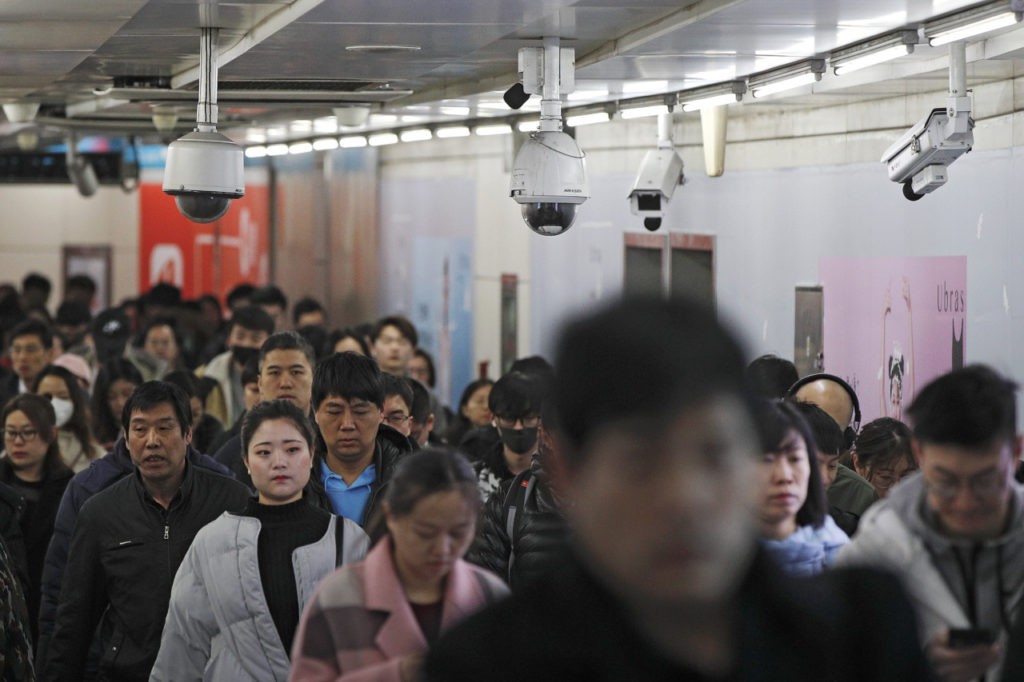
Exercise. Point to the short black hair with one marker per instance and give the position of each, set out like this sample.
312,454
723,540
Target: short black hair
535,366
642,357
37,282
402,324
154,393
828,437
348,375
73,313
162,294
186,381
252,317
288,340
971,407
395,385
776,418
239,292
316,336
269,295
83,282
420,406
32,327
347,333
770,376
516,396
304,305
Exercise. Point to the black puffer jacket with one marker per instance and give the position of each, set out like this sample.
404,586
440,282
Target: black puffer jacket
522,530
391,447
124,553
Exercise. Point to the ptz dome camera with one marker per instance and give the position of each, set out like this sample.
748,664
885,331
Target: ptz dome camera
204,172
549,180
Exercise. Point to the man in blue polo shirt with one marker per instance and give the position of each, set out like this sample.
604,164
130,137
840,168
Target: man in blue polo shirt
357,453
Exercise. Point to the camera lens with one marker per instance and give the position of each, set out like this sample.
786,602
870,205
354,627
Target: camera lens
549,218
202,208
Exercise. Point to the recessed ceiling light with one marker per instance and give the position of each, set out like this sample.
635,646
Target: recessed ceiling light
383,49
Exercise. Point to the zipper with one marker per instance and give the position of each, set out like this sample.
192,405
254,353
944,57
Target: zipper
167,532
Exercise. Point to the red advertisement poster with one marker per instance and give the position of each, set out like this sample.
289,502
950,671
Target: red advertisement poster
206,258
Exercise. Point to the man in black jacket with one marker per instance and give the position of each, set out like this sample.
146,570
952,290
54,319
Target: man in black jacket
356,454
130,539
657,462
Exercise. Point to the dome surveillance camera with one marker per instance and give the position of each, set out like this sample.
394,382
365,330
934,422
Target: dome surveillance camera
549,180
204,173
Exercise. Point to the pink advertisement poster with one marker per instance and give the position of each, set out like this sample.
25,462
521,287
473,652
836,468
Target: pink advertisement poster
892,325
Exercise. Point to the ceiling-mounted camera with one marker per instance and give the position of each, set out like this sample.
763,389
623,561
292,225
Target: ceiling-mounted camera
549,175
661,171
205,170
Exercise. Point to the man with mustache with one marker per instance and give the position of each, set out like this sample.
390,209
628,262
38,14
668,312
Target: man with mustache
130,539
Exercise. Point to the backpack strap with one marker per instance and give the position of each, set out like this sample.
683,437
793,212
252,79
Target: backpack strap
515,499
339,540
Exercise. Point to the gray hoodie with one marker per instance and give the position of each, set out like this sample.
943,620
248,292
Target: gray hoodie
900,534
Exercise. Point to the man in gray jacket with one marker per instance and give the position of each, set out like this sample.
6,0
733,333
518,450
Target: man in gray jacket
955,531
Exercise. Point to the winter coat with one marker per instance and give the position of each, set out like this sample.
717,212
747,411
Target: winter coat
73,454
101,474
219,626
221,400
389,450
899,535
359,625
124,553
809,550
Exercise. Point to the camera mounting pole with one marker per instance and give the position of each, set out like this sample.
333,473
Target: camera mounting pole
206,111
958,105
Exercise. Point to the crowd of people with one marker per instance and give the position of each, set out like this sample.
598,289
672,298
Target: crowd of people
188,493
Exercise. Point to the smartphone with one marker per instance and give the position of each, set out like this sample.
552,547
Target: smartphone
962,638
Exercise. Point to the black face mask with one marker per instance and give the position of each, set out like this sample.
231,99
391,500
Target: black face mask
519,441
242,355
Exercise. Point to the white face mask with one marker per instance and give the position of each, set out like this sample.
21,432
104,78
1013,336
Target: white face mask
64,410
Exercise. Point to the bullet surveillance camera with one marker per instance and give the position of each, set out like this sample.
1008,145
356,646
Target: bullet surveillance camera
204,173
919,158
661,172
549,180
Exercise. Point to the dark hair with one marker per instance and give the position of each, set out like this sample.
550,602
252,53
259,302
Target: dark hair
288,340
515,396
269,295
970,407
73,313
770,376
426,357
419,408
403,325
641,357
239,291
429,471
83,282
40,412
78,425
251,371
105,424
252,317
168,322
883,442
348,375
828,437
775,420
471,388
37,282
304,305
346,333
316,336
210,298
399,386
32,327
162,294
274,409
535,366
186,381
153,393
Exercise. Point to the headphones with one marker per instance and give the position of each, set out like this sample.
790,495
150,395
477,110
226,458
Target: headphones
850,432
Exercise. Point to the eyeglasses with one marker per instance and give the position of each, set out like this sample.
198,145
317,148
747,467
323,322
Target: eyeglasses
984,486
396,419
527,422
27,435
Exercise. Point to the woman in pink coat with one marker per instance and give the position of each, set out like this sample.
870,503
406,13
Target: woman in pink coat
374,620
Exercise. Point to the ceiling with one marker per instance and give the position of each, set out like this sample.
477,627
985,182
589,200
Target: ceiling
105,66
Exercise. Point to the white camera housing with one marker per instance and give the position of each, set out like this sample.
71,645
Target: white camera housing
549,181
660,173
204,172
919,158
